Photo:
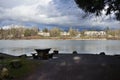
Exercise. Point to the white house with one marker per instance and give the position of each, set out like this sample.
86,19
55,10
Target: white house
95,33
64,33
46,34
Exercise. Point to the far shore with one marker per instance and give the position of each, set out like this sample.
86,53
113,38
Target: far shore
58,39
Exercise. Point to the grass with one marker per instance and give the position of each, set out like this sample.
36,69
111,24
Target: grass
28,66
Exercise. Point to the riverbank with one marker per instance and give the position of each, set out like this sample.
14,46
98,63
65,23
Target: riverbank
62,38
67,67
15,66
58,39
77,67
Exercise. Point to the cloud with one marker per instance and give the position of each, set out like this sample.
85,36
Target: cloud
57,12
42,12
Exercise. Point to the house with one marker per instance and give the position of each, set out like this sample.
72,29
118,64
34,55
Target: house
95,33
64,33
46,34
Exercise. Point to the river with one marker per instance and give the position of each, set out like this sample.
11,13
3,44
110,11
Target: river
18,47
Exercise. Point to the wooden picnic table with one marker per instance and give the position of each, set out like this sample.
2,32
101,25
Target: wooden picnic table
43,53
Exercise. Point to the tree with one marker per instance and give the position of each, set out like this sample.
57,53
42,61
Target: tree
1,33
35,29
27,32
96,6
45,30
16,32
82,33
30,32
73,32
55,32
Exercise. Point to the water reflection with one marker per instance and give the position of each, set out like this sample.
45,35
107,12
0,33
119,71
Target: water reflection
17,47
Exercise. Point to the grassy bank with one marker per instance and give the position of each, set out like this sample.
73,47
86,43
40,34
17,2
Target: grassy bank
26,68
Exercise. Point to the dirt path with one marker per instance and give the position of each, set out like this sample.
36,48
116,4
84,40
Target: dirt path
78,67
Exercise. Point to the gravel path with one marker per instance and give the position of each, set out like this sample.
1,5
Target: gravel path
78,67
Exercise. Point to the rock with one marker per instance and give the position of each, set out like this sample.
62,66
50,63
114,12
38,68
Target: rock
4,72
75,52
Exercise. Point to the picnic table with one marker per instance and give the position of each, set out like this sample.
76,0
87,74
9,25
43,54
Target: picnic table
43,53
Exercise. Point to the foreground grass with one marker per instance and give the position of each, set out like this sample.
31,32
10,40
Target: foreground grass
28,66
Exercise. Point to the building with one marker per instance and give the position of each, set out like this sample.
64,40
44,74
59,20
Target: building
94,33
46,34
64,33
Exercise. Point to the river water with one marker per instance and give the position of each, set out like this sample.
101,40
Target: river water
18,47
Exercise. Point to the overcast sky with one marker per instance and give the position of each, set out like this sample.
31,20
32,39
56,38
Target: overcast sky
50,12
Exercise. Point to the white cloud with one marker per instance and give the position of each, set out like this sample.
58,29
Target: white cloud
39,12
49,12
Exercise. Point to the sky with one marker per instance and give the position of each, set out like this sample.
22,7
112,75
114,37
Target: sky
58,13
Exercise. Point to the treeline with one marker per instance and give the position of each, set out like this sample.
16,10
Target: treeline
33,33
57,32
17,33
28,33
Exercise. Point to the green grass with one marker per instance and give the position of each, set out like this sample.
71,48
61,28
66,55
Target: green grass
28,66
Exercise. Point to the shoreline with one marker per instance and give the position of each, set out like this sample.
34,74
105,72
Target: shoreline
61,39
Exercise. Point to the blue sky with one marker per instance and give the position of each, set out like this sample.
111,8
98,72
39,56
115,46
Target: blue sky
59,13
